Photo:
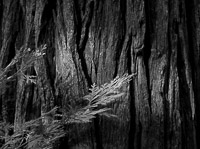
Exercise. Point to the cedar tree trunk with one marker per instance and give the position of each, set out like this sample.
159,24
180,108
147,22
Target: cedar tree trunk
93,41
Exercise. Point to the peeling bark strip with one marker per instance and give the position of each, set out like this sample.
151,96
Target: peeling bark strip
93,41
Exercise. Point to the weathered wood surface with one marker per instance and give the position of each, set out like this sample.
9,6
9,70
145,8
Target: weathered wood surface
94,41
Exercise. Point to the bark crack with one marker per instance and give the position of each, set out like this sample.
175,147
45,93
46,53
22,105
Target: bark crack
147,48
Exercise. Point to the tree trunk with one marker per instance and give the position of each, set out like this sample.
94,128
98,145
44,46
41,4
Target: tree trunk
93,42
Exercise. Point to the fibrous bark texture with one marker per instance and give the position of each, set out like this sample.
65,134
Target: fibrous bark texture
93,41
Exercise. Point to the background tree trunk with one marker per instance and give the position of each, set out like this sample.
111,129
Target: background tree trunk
93,42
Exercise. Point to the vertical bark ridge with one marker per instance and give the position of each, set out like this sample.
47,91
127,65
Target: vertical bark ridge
9,32
185,81
193,55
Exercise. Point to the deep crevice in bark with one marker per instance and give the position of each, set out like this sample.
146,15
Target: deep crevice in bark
48,12
47,36
164,95
81,48
121,35
98,135
77,21
87,27
131,98
29,108
147,47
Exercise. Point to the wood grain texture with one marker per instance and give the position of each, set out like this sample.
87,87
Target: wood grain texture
93,42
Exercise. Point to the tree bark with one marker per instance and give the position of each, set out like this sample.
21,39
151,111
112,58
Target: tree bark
93,42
